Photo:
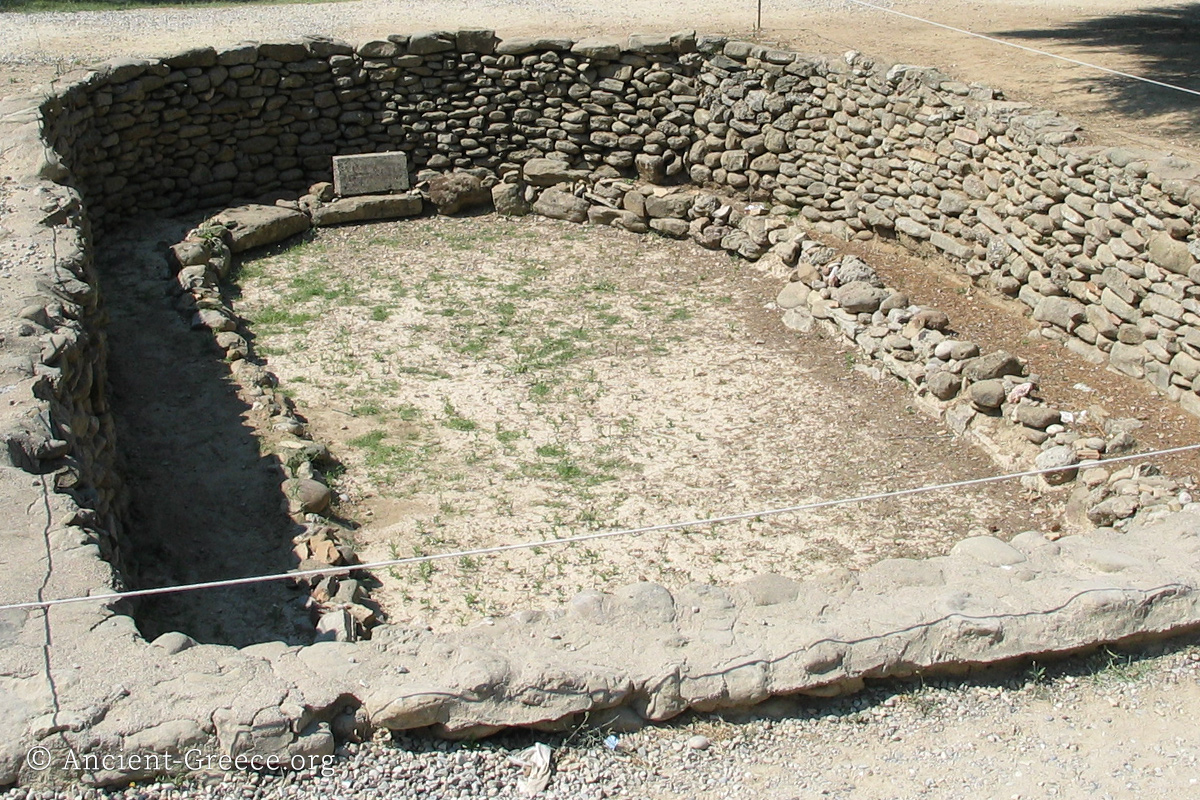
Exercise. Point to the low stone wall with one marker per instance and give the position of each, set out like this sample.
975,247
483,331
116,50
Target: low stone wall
1099,243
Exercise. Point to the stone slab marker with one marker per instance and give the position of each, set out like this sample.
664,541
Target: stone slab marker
370,173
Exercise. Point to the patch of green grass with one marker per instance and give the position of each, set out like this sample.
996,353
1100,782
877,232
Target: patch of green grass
367,410
553,352
368,441
387,460
679,314
455,421
1114,667
474,346
506,437
272,315
312,285
380,313
564,468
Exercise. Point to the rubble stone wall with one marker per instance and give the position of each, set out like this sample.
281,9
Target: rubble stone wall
1101,244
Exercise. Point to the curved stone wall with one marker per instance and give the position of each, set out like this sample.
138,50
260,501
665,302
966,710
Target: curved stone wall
1101,244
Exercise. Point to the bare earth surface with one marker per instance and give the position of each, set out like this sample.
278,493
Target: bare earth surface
488,381
1112,731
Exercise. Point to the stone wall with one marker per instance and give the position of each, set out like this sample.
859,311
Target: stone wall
1101,244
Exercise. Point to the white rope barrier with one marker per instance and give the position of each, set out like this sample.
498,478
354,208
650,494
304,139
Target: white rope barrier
586,537
1027,49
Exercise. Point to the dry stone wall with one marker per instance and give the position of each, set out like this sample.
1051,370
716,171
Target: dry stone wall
1099,243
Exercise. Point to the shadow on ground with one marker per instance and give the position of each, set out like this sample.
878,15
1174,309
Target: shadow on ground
1164,40
205,503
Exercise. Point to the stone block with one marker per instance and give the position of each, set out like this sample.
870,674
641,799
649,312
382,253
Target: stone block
950,246
520,45
477,41
367,208
561,205
457,191
992,366
1059,311
370,173
429,42
1170,254
549,172
1129,359
608,49
257,225
509,199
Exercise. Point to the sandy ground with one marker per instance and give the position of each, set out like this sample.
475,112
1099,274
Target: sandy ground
503,380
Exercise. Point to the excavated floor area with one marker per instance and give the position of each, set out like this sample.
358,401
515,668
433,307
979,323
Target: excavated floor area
486,381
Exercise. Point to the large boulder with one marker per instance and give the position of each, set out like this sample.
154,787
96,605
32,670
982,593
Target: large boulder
457,191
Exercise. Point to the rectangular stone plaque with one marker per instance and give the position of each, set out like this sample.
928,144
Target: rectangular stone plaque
370,173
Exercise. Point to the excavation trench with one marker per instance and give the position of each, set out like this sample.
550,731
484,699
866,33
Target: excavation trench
485,381
205,500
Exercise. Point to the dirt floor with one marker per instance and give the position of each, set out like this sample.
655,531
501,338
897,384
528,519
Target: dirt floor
487,381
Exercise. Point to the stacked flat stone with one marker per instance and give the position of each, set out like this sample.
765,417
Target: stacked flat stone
1100,243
